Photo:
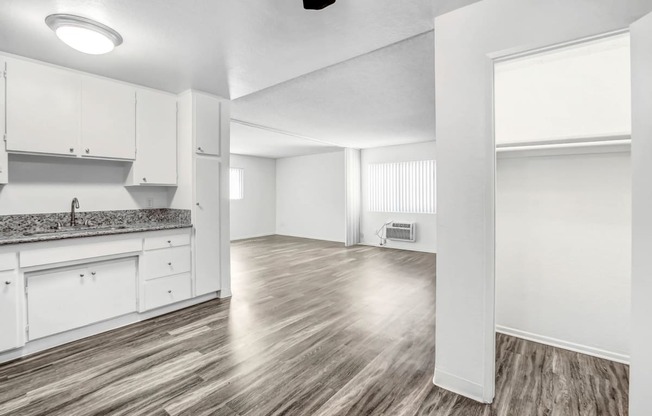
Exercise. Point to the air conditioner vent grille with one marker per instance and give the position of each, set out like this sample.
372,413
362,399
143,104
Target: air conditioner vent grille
401,231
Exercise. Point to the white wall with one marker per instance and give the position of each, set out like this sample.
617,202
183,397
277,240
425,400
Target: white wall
371,221
563,251
466,40
255,215
310,196
40,184
641,362
579,91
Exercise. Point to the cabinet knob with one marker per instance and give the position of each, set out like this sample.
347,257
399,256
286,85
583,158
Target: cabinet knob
170,264
93,273
197,204
200,149
169,291
72,150
88,150
144,179
81,275
7,282
169,241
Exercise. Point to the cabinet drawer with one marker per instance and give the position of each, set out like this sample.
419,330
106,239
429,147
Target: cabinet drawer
166,262
167,290
63,299
8,261
167,240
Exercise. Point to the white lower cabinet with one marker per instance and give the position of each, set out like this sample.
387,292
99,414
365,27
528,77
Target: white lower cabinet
166,290
9,306
166,262
63,299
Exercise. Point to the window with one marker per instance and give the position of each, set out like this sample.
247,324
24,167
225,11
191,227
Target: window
237,183
407,187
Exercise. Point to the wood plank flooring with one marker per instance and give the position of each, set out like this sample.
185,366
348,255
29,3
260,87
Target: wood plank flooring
313,328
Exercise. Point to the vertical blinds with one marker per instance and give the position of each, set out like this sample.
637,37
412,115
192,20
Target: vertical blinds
405,187
236,184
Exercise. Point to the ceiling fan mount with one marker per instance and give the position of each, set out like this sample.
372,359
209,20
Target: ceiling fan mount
317,4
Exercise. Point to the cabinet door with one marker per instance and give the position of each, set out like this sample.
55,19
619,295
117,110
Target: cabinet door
4,162
207,225
10,322
207,125
108,122
65,299
156,138
43,109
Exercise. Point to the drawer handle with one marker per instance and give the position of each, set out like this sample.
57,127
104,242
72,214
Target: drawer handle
7,282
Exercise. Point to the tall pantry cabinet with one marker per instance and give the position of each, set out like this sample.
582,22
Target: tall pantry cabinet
203,175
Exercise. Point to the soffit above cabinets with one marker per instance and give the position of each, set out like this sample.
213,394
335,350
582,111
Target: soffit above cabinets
229,48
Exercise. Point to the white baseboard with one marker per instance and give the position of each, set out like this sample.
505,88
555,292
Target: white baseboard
458,385
420,250
566,345
249,237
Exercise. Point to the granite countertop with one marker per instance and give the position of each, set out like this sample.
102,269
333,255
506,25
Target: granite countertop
18,229
50,235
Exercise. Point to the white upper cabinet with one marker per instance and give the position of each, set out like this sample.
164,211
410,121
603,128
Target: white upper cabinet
156,138
43,109
207,124
108,119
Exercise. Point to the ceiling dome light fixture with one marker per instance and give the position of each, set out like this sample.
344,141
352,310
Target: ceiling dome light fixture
84,34
317,4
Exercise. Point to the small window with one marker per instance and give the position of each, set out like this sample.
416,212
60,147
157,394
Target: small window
237,183
405,187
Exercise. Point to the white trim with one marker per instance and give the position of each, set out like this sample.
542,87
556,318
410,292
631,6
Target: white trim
564,150
566,345
420,250
248,237
459,385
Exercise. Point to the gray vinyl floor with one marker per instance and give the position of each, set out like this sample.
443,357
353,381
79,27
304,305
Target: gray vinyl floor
313,328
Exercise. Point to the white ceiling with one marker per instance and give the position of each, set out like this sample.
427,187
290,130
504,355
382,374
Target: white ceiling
253,141
386,97
329,75
226,47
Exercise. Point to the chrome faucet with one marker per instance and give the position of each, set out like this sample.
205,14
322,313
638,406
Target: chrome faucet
75,204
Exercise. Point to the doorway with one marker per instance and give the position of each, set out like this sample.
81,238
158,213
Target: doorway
563,199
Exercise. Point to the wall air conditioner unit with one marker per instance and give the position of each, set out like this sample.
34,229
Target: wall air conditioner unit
401,231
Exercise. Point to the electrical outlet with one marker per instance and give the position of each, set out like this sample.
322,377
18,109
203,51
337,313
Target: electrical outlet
150,202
